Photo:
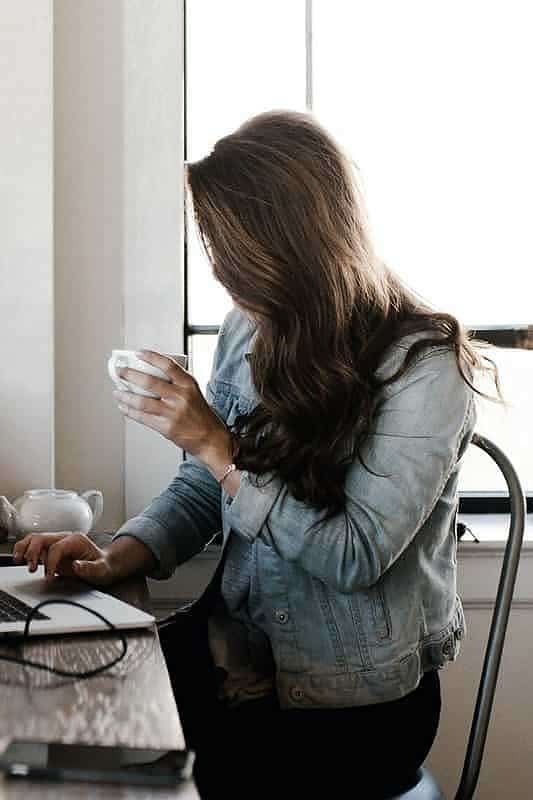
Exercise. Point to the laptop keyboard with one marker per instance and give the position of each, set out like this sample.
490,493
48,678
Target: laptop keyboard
14,610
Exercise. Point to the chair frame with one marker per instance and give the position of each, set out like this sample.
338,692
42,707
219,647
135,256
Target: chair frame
500,619
426,787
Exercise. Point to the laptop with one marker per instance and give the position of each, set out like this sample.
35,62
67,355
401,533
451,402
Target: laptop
20,590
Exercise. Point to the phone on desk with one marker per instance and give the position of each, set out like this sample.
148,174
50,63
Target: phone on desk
55,761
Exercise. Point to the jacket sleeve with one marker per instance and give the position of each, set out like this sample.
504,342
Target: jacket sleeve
181,521
413,449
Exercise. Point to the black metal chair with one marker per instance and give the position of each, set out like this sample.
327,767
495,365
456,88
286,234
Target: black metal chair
426,787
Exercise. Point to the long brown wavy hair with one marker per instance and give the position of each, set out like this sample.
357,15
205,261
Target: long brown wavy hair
280,213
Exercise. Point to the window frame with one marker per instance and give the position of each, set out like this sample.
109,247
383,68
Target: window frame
507,336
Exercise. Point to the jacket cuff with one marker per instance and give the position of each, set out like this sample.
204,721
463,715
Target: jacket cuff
151,533
248,509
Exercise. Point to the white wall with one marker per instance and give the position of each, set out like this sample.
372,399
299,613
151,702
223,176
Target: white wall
153,217
26,246
89,232
101,177
118,214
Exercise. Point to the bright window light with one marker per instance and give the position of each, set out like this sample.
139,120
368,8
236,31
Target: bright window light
431,102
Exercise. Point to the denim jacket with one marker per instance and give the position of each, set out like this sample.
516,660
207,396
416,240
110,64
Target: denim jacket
358,608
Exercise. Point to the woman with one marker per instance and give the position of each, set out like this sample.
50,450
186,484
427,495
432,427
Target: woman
327,451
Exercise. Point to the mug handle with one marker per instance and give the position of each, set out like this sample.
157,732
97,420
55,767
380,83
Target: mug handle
120,361
98,504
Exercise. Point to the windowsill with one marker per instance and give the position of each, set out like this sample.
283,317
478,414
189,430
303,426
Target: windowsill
478,567
490,529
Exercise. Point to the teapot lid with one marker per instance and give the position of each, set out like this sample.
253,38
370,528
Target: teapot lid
49,492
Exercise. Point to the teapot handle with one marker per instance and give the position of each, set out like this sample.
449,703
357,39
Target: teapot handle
98,503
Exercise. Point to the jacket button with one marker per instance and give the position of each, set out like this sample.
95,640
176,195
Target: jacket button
447,647
297,694
281,616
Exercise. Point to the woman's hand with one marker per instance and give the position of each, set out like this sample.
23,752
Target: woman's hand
181,415
72,554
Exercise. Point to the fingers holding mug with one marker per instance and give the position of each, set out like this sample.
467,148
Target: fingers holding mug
135,360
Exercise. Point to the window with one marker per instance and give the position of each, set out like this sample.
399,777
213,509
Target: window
430,101
240,58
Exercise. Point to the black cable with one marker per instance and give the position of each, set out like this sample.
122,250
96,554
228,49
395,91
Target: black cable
63,673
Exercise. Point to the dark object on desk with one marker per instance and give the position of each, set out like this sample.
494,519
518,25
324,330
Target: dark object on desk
55,761
462,530
6,560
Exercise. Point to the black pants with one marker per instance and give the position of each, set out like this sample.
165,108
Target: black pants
259,750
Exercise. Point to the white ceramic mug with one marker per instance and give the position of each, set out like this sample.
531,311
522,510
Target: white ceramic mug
127,358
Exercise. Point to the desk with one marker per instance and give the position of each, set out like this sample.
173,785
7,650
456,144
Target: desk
133,706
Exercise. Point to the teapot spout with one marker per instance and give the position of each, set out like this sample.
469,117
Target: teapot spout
8,519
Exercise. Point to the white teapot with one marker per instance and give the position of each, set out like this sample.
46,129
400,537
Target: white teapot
44,510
